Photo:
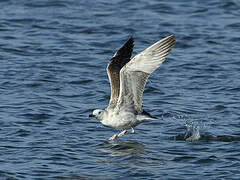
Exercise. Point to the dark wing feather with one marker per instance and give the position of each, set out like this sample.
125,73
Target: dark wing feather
121,57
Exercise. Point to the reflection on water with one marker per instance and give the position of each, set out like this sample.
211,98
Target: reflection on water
121,147
132,154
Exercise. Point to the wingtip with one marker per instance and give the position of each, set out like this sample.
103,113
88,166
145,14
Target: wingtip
172,36
171,39
130,41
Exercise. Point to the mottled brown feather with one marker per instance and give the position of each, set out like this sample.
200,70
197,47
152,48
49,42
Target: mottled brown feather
121,57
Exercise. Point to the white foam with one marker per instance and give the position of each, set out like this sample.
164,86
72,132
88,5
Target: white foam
193,131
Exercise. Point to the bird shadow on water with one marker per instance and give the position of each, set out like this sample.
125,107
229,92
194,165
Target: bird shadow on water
120,147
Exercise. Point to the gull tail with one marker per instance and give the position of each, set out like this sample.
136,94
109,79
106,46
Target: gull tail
145,116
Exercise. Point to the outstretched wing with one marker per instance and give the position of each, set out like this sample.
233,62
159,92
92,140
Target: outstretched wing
134,74
120,58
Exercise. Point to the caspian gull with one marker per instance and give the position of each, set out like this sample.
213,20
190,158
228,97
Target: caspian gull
127,79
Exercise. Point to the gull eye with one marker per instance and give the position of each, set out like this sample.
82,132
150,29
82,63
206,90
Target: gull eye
99,112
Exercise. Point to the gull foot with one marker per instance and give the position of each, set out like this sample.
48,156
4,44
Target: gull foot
132,131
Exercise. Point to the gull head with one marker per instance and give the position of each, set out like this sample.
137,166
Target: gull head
98,114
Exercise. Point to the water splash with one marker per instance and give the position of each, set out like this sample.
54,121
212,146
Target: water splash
192,132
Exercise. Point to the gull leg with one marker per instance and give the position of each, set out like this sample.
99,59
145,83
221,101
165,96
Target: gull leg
117,135
113,137
122,133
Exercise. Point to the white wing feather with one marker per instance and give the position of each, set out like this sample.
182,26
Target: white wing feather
134,74
151,58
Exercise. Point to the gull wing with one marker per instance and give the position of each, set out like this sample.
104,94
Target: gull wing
134,74
120,58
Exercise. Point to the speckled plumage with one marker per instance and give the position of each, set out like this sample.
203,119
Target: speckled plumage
128,78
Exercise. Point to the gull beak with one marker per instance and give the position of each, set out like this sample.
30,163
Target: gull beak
91,115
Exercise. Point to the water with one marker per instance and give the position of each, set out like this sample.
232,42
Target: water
53,56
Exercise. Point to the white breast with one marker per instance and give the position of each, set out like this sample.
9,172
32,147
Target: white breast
120,120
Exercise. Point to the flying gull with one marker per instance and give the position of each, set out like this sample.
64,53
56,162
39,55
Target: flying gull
127,79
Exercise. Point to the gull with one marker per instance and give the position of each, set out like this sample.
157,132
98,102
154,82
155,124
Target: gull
127,80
